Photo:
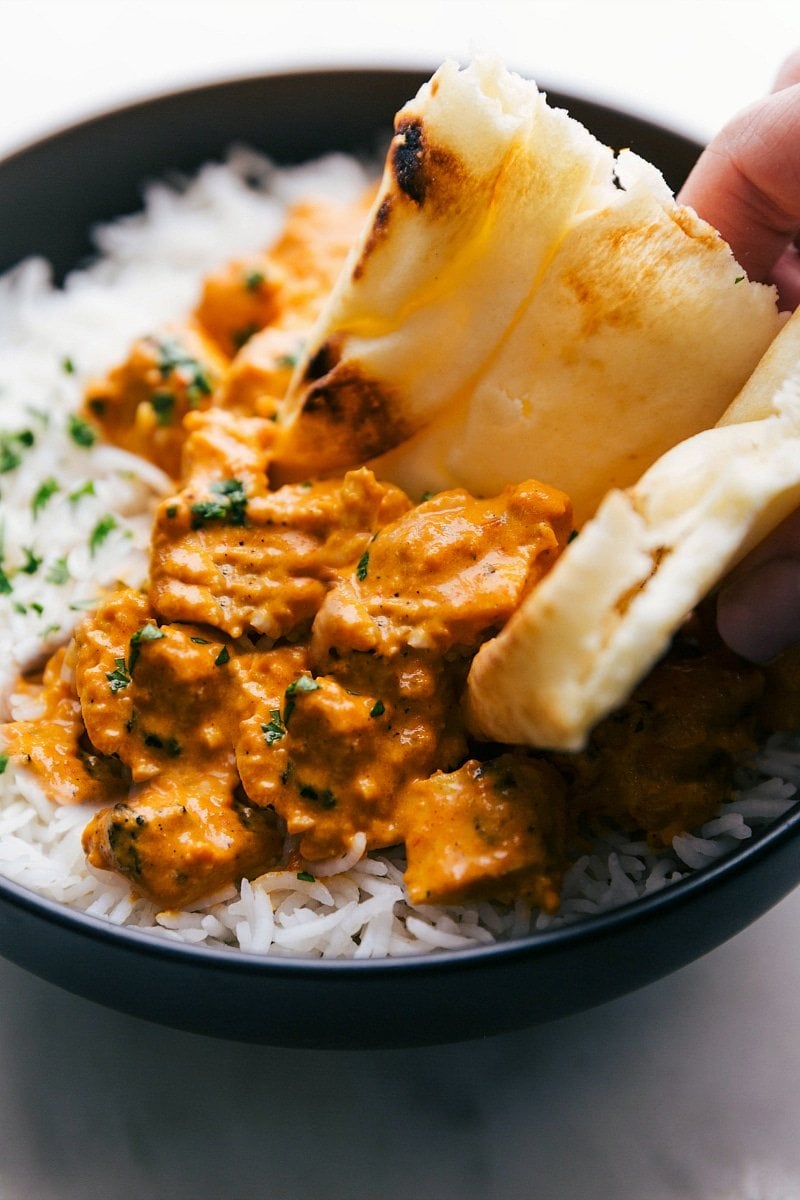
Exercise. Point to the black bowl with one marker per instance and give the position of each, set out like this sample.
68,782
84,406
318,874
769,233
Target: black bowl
51,194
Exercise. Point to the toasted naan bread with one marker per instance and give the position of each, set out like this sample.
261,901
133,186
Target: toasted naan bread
607,611
522,303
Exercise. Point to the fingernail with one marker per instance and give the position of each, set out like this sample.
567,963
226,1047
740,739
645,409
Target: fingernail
758,615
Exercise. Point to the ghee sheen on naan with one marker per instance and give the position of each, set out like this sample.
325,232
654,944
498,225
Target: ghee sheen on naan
606,612
522,303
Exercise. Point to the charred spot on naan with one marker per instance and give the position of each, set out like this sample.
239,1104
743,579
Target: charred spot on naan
345,418
424,170
377,232
420,170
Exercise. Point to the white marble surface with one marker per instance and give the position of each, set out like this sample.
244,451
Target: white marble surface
688,1089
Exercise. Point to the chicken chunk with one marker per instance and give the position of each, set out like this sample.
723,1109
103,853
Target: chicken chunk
264,562
493,828
140,405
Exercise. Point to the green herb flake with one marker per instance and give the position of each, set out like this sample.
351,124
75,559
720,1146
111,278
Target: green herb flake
12,446
223,657
67,365
253,280
81,431
198,641
286,362
171,512
147,633
58,572
240,337
229,505
32,561
163,404
362,567
100,532
324,797
3,763
85,489
299,686
46,490
5,584
305,876
172,356
378,709
740,279
119,678
275,729
171,746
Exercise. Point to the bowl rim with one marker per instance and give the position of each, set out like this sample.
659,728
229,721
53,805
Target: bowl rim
422,69
539,942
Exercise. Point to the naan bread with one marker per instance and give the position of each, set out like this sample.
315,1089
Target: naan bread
607,611
522,304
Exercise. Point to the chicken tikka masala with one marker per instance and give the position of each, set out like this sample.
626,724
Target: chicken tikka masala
287,685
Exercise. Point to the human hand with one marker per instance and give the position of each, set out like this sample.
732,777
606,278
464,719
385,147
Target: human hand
747,184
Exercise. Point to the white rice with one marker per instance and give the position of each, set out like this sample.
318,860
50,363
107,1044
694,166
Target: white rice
82,514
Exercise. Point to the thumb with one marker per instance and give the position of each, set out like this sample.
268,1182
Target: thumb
747,182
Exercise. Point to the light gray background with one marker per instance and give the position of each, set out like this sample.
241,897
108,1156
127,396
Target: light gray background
689,1089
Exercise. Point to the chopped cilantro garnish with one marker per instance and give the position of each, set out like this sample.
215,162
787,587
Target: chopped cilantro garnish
230,506
253,280
198,641
147,633
362,566
173,356
241,337
275,729
32,561
81,431
171,746
43,493
67,365
223,657
304,683
322,796
5,584
58,572
85,489
120,677
163,406
378,709
11,447
3,763
305,876
100,532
